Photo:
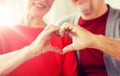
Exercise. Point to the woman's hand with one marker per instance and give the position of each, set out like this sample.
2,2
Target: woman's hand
42,43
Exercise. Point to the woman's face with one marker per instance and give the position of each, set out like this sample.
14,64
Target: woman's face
39,7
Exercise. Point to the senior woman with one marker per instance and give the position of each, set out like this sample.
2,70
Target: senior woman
25,49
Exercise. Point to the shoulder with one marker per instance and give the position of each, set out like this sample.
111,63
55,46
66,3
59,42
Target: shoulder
3,29
70,18
113,23
114,16
6,29
114,12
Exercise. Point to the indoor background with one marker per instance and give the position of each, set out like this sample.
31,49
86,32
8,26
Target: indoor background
10,10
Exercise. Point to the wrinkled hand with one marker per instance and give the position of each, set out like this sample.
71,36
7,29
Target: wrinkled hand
42,42
81,38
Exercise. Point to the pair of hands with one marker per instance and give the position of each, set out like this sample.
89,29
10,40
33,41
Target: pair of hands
81,38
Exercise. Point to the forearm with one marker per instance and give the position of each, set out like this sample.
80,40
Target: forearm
10,61
40,45
109,46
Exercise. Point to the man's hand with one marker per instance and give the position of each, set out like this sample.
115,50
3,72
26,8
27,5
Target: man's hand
81,38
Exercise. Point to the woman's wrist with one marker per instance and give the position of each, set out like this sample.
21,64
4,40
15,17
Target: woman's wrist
31,51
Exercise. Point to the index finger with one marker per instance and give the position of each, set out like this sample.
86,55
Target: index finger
67,26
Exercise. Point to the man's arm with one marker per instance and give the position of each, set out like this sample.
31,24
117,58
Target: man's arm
108,45
84,39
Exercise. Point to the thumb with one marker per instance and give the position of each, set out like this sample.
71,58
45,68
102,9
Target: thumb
68,48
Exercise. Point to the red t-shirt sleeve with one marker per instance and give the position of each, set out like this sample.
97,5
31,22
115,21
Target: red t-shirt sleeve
69,60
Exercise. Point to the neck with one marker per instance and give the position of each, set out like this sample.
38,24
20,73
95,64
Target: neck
96,13
35,22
